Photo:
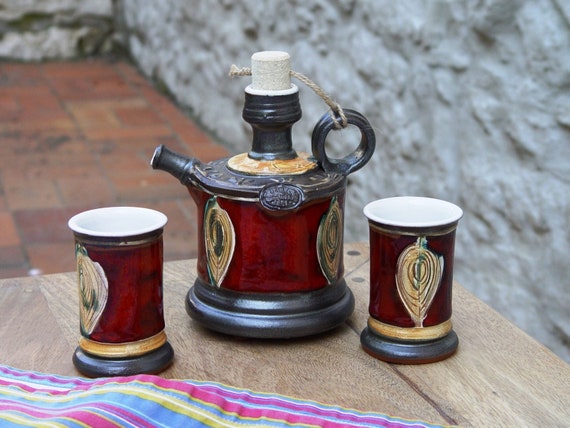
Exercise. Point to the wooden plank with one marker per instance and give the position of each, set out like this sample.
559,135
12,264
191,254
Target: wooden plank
60,292
30,337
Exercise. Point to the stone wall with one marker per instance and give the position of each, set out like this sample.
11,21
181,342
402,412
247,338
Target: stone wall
470,101
41,29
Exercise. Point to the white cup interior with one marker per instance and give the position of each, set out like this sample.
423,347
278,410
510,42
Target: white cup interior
412,211
117,221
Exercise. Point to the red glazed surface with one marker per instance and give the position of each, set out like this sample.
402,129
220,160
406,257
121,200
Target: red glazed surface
273,253
385,304
134,309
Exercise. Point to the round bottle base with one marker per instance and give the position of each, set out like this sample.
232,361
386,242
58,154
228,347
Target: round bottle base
150,363
269,315
408,352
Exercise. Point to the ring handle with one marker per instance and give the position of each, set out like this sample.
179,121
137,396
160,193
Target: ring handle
356,159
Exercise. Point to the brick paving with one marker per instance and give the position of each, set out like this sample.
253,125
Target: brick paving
80,135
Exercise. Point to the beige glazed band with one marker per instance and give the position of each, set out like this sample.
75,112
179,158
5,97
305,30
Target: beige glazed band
410,333
299,165
127,349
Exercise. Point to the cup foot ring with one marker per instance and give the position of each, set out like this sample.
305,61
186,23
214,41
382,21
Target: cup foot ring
270,315
150,363
408,352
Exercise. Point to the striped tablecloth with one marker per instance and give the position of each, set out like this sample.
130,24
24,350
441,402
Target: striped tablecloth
37,399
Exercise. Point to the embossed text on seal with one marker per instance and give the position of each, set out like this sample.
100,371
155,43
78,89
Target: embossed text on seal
281,196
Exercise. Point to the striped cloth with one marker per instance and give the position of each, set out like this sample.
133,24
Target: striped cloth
36,399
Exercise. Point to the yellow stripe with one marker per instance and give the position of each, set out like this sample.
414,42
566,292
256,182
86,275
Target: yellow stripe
126,349
410,333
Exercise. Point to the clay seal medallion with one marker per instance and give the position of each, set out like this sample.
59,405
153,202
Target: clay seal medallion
281,197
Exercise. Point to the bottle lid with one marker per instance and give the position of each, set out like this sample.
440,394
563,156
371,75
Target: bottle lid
271,74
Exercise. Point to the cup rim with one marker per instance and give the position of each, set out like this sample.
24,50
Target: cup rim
95,222
402,211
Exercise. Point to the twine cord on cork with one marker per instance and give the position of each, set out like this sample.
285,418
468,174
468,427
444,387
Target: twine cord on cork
336,109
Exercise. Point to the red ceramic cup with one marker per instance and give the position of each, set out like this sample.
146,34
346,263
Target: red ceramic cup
119,253
412,242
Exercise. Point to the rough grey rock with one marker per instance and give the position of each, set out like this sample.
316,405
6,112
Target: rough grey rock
470,101
47,29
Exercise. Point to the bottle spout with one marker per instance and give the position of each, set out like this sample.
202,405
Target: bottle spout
179,166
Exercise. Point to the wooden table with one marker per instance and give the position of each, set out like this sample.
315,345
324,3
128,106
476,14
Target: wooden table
499,376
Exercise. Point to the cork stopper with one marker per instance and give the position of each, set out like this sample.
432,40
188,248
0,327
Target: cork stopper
270,71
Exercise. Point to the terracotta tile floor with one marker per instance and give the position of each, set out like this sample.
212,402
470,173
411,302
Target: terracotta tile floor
80,135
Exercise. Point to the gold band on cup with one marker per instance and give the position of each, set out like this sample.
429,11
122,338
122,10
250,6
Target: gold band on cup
410,333
125,349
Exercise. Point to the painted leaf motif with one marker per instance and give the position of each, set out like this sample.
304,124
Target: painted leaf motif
418,275
93,290
329,241
219,238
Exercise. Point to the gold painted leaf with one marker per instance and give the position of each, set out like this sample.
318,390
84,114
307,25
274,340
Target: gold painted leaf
93,290
329,241
219,238
418,276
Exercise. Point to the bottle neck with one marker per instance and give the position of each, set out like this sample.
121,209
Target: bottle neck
272,118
